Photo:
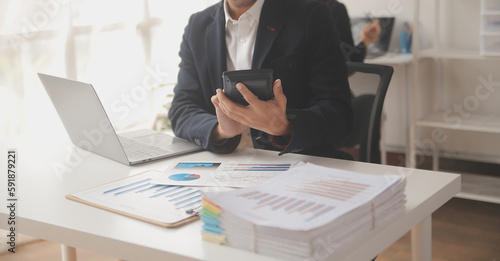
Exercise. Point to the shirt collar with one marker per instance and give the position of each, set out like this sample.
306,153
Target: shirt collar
254,11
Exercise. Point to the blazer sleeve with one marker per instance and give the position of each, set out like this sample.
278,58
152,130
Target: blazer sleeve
191,113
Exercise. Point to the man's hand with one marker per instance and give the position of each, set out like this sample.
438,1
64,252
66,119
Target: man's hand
268,116
226,128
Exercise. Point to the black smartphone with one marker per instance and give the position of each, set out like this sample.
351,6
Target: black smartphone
259,82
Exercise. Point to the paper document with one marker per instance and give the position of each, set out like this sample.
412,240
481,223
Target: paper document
136,196
218,174
296,214
304,198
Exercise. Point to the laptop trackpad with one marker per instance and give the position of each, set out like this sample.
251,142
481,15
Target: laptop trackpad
159,140
167,142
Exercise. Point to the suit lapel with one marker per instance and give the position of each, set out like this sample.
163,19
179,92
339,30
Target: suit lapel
215,45
269,27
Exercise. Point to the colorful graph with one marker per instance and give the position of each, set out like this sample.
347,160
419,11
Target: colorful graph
180,197
248,174
256,167
336,189
184,177
192,165
289,205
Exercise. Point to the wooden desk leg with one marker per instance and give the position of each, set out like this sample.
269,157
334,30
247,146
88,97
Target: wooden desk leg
421,241
68,253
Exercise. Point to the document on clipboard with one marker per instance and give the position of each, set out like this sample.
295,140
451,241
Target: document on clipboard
136,197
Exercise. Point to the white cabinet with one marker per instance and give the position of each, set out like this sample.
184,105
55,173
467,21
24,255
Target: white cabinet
489,50
490,28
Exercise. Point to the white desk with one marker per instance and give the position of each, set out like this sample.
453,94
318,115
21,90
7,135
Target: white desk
391,58
43,212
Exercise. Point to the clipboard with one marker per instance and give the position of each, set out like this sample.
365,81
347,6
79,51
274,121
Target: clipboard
135,197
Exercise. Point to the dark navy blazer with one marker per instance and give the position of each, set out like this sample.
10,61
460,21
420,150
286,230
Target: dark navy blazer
297,39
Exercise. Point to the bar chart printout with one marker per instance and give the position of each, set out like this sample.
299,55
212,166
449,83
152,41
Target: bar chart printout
256,166
216,174
249,174
139,197
303,198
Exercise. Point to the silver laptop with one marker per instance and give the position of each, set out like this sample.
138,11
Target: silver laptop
89,127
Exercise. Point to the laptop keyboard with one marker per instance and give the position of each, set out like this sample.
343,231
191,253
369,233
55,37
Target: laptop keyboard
137,150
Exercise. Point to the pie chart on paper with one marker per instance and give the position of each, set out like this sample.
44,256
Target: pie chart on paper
184,177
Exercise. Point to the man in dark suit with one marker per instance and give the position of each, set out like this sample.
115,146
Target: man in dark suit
311,110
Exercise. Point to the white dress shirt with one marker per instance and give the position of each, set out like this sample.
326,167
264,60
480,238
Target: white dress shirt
240,43
240,36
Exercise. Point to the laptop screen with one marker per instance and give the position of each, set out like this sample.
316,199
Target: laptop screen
381,45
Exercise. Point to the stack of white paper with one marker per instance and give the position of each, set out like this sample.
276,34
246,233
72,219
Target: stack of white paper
305,213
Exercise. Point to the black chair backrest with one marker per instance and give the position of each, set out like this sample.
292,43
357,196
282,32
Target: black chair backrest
368,83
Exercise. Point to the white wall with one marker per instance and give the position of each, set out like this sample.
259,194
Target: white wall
459,28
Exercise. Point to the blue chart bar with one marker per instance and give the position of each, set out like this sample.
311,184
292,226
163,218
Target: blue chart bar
188,201
257,167
132,189
267,199
163,192
288,201
305,206
178,191
338,190
185,196
188,198
192,205
181,197
318,206
164,188
319,213
151,188
260,196
291,206
126,186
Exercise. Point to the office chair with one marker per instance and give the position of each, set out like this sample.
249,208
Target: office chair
368,84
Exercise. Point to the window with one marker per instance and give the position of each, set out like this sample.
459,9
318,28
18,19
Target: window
127,49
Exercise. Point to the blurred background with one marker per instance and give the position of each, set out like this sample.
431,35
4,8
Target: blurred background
127,49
